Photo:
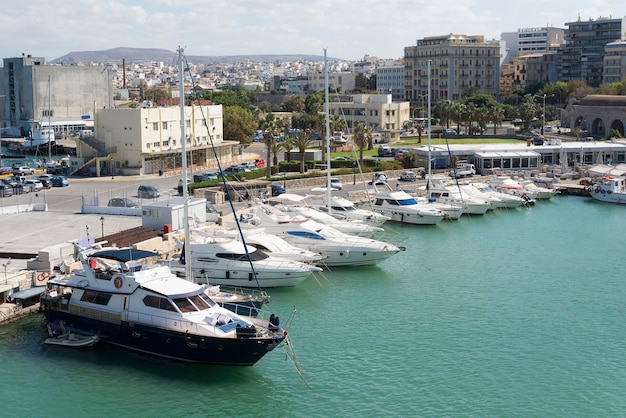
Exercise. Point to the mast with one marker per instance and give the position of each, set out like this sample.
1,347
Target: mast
49,124
183,139
429,130
327,112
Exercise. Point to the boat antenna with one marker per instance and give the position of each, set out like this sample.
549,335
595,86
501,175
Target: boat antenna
186,247
430,128
226,188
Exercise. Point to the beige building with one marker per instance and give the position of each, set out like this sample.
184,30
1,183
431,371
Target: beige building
614,70
147,140
342,82
378,111
458,63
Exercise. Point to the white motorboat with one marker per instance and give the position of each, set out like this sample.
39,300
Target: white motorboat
540,192
293,203
470,190
337,248
450,212
343,208
506,200
145,307
226,261
454,196
610,189
402,207
268,243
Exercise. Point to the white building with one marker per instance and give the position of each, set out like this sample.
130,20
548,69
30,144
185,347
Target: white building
390,80
147,140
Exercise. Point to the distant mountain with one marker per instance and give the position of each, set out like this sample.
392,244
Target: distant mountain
138,55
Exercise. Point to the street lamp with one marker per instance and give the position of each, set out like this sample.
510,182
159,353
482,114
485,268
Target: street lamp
102,225
543,118
5,268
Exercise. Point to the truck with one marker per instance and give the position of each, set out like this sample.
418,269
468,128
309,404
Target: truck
463,169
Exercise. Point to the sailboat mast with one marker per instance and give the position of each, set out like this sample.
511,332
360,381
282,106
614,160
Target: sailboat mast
327,112
429,130
49,123
183,139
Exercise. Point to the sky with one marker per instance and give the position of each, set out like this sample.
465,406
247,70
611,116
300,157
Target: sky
347,29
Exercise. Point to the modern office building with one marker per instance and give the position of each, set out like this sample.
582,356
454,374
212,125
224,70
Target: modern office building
458,63
33,93
582,55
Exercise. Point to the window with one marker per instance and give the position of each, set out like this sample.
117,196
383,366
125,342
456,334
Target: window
155,126
157,302
164,125
99,298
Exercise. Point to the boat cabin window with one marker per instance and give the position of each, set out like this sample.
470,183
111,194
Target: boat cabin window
254,256
99,298
200,302
407,202
305,234
158,303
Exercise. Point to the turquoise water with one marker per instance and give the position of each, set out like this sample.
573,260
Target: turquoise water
517,313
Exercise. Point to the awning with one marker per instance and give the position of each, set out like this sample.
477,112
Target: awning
28,293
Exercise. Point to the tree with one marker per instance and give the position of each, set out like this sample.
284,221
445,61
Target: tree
288,145
362,137
302,142
293,104
446,109
456,114
496,115
320,127
314,103
275,148
239,124
269,131
528,111
337,123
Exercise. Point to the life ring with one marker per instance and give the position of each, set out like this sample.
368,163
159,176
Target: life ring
118,281
598,190
40,277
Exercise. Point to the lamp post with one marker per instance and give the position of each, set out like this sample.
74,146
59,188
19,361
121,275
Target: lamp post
102,225
5,268
543,117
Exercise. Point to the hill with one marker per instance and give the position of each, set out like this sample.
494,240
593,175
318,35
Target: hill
138,55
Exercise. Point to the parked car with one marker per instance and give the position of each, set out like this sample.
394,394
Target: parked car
277,189
197,178
45,179
385,151
408,176
35,185
60,181
259,162
6,170
22,170
449,132
122,202
147,192
335,183
6,190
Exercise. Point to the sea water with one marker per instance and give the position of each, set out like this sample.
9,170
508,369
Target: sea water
515,313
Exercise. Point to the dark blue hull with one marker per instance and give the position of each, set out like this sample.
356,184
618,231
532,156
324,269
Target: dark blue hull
171,344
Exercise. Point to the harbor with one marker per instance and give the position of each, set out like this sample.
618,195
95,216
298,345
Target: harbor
499,315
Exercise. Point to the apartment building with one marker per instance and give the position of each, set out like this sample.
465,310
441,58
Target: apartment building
390,80
378,111
614,70
582,55
458,63
531,41
33,93
337,81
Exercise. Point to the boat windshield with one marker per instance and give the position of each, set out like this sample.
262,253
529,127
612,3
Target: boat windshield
344,208
193,303
407,202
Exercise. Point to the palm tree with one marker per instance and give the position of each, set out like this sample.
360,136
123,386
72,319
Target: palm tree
269,130
302,142
288,145
497,116
362,137
337,123
456,114
275,149
320,127
446,111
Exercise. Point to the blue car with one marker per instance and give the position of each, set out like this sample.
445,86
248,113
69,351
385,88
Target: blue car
59,181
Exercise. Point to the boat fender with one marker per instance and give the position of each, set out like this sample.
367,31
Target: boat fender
92,263
118,281
597,190
43,276
603,192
